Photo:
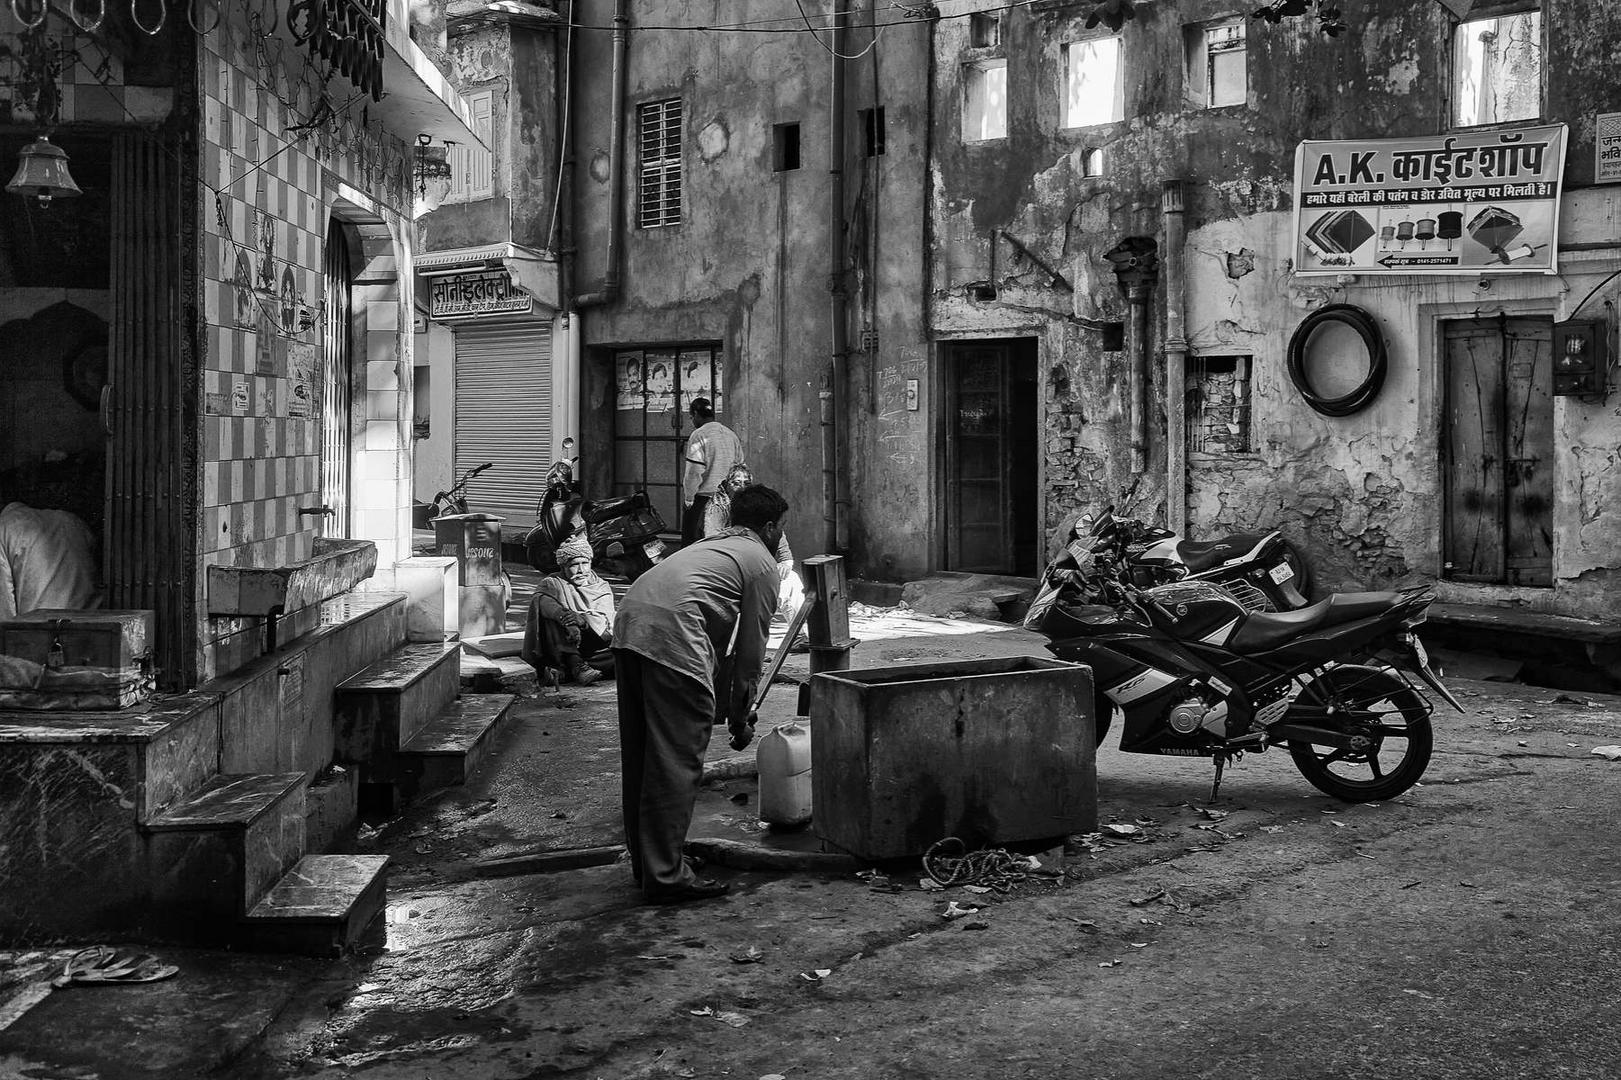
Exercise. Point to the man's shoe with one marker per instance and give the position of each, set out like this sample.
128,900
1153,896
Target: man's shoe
701,889
581,672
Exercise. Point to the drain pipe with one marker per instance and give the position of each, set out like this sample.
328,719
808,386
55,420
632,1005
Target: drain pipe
1136,268
616,178
1176,361
835,500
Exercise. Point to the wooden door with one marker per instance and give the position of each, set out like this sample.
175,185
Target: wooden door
991,516
1499,459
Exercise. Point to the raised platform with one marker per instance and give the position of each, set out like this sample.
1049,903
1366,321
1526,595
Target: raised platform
1556,651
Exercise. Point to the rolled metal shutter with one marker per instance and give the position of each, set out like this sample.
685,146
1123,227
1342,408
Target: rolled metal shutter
504,416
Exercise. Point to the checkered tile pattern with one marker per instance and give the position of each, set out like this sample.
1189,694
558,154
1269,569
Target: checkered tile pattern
262,269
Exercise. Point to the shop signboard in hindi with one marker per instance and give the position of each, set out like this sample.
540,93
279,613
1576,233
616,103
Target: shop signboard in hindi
482,293
1443,204
1607,148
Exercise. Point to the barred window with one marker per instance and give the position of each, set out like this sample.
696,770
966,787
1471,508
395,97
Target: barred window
658,201
1219,404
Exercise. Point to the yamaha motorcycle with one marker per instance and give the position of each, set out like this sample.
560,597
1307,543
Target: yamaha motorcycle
1263,571
1196,674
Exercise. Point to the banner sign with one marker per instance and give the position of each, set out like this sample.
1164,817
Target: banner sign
1607,148
1443,204
486,292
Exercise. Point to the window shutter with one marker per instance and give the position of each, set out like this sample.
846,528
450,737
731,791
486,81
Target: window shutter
658,137
481,163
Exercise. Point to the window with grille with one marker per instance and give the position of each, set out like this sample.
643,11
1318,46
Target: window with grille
1219,404
658,196
472,168
1218,64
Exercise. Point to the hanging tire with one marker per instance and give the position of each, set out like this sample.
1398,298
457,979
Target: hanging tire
1387,715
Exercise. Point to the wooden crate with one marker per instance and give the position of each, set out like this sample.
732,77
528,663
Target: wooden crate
989,751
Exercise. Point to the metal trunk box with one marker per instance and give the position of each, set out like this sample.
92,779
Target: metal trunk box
52,659
989,751
474,541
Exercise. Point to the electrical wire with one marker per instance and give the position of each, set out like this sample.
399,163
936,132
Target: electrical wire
563,136
817,35
757,26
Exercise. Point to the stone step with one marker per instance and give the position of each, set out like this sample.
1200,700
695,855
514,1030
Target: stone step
452,745
212,855
379,709
320,907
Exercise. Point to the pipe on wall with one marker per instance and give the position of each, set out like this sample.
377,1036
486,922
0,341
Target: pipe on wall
616,171
1176,359
835,497
1137,297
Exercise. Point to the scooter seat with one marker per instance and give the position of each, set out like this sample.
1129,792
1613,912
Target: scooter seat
1266,630
1201,556
601,510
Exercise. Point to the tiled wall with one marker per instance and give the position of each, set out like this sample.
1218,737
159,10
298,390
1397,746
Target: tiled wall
266,220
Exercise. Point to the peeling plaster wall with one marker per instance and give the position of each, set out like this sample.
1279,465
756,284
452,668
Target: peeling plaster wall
748,267
1361,494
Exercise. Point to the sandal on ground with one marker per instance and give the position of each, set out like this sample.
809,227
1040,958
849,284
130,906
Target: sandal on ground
103,964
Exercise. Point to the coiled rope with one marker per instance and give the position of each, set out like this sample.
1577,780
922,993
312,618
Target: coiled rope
949,862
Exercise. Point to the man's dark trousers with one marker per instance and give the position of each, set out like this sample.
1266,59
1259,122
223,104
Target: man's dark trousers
665,719
692,520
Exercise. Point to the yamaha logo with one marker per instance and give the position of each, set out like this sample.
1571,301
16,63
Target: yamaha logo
1181,611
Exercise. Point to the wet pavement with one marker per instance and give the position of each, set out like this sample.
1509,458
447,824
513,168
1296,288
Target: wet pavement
1462,930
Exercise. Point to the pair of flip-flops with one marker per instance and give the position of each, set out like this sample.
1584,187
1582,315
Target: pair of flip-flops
105,964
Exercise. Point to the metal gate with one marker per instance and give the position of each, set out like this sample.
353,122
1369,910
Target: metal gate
653,392
335,378
504,415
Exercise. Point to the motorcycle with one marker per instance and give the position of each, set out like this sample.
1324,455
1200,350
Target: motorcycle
1195,673
454,501
1263,571
623,531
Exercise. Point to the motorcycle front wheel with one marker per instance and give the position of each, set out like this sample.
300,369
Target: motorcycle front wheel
1391,721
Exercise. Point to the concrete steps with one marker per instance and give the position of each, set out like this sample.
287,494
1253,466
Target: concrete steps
320,907
379,709
445,752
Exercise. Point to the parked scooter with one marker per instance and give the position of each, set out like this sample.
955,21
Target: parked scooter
1263,571
623,531
1196,674
454,501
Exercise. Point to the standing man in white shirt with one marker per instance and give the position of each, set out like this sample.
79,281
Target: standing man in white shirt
712,450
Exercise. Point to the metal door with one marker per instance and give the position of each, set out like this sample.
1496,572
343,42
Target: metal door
653,392
1499,451
991,440
335,380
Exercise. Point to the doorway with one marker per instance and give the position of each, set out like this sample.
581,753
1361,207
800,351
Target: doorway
1498,451
993,436
653,392
335,375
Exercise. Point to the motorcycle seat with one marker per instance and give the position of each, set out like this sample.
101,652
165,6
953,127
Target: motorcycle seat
601,510
1202,555
1266,630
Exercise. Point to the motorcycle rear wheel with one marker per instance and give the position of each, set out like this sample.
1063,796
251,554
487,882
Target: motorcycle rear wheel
1370,702
1297,562
1105,707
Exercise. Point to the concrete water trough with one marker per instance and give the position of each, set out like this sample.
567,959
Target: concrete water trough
989,751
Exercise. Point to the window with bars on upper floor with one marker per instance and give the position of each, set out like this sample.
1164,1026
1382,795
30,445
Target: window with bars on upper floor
472,168
658,141
1218,396
1218,64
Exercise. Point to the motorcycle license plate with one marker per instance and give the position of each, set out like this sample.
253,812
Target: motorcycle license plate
654,548
1281,573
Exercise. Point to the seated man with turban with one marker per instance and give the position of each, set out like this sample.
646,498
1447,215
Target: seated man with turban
570,625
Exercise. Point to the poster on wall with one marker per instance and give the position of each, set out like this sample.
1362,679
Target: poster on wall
697,374
1607,148
660,364
628,381
1443,204
301,378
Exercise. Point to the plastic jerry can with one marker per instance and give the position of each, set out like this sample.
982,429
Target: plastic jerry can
784,760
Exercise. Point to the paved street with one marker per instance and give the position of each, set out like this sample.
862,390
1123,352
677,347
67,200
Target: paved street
1463,930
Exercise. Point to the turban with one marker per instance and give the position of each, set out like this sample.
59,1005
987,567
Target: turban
574,548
